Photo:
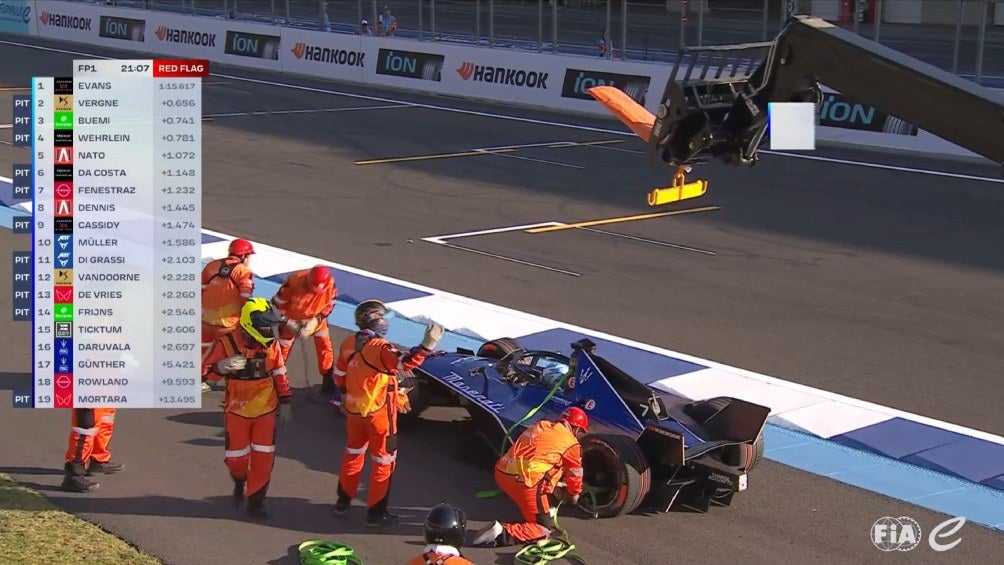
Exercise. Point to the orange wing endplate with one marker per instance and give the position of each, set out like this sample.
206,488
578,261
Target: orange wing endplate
629,112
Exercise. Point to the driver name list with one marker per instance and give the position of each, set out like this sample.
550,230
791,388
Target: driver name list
116,231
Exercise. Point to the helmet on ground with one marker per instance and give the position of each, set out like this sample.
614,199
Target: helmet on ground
370,316
259,320
576,417
241,247
319,277
445,524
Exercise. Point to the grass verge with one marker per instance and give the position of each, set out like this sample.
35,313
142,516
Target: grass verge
34,531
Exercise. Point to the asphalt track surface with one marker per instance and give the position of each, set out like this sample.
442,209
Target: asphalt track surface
874,283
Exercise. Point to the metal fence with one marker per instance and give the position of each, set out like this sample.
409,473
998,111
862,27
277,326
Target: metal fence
966,38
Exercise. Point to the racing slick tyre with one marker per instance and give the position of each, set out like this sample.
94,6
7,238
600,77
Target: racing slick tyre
616,472
499,348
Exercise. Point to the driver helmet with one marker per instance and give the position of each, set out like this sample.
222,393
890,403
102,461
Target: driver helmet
370,316
445,524
576,418
259,320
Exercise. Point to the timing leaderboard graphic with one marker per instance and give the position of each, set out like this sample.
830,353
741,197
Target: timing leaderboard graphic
116,188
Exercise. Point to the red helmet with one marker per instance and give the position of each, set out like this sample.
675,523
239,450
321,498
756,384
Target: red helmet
575,417
320,276
241,247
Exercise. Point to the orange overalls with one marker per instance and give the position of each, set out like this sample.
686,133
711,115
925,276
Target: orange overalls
440,555
531,469
90,435
299,303
226,286
367,371
250,405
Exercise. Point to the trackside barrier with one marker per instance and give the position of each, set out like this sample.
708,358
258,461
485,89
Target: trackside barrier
554,82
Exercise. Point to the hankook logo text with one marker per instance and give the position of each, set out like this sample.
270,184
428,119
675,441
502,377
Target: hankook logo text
502,75
185,36
70,22
329,55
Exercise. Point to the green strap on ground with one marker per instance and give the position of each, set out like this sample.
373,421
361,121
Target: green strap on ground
318,552
544,551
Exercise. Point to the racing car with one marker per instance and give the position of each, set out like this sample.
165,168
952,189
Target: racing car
646,448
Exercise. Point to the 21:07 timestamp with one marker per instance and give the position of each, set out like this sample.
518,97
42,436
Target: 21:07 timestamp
135,68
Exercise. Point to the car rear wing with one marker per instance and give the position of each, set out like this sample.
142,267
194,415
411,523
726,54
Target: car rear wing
740,421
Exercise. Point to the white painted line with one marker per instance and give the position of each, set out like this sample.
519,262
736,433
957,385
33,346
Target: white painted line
652,241
507,117
527,145
304,111
6,126
621,149
443,238
845,162
543,161
510,259
886,167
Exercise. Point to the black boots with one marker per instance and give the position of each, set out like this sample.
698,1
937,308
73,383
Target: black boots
106,468
238,493
328,382
76,479
256,504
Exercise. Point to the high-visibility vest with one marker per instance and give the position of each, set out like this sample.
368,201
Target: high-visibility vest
298,301
222,292
252,392
368,381
537,453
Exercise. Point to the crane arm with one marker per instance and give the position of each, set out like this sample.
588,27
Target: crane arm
718,109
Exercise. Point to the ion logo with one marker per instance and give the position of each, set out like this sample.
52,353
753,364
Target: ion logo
122,28
69,22
185,36
502,75
837,111
10,12
578,82
327,55
252,45
410,64
905,534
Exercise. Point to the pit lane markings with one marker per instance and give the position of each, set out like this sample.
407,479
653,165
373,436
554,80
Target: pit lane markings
500,151
618,220
442,240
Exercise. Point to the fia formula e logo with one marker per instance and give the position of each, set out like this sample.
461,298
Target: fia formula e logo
905,534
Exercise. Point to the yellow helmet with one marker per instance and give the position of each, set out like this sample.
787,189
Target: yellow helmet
259,320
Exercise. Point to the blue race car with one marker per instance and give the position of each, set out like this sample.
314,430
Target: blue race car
645,446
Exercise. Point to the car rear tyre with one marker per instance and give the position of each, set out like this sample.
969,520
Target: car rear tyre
499,348
617,473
